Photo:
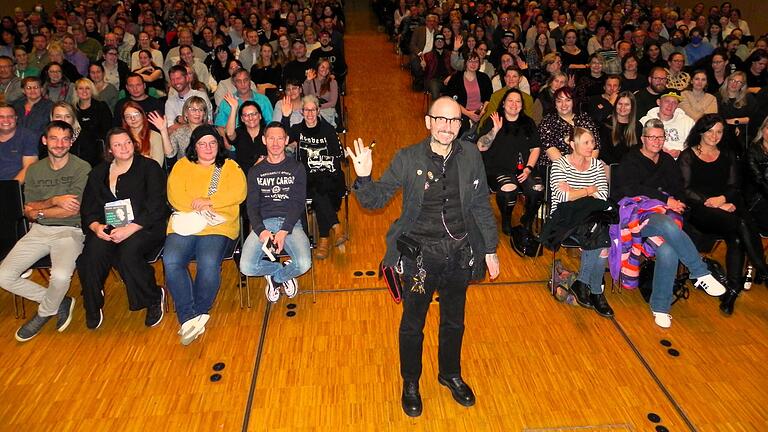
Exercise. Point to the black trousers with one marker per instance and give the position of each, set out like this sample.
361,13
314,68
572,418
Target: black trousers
130,259
326,190
448,274
740,234
326,208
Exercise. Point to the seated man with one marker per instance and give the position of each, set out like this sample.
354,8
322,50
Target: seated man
648,171
54,189
18,146
676,123
277,190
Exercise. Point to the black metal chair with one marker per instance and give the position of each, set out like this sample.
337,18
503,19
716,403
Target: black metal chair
13,226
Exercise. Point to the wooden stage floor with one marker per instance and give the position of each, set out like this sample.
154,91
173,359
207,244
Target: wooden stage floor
535,364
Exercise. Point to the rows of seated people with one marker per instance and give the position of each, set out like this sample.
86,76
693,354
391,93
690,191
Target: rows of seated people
677,97
115,116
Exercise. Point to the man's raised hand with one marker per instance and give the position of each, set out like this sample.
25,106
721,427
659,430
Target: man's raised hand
361,158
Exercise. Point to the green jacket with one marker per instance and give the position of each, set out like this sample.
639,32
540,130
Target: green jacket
408,170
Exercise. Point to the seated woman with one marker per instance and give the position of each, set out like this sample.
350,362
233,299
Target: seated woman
325,88
203,181
194,113
267,73
555,129
151,73
124,245
677,79
696,101
85,145
545,102
93,115
288,109
149,142
648,172
737,106
621,130
472,90
510,150
757,159
319,149
575,176
713,191
246,138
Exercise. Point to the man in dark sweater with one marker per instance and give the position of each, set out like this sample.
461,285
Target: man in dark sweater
446,212
646,98
277,190
649,171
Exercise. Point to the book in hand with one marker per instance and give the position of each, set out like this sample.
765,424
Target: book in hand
270,249
118,213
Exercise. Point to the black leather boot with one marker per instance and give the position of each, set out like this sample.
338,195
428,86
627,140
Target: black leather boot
460,390
581,291
601,305
411,399
506,202
753,246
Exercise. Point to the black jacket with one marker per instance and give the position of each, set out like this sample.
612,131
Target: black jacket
409,170
143,183
638,175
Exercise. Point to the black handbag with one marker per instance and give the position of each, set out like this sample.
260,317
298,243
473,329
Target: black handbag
524,243
408,247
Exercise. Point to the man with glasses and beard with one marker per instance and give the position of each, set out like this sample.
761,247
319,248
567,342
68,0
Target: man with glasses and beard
451,236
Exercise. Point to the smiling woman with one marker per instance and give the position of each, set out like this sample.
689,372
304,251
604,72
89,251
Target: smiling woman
204,181
125,244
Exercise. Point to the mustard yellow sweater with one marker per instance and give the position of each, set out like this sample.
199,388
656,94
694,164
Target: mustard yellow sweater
189,180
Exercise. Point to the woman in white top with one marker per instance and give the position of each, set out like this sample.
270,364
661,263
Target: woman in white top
576,176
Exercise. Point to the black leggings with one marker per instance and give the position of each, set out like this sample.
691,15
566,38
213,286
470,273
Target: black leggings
532,188
740,235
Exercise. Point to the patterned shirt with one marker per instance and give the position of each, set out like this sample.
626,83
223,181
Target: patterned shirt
554,132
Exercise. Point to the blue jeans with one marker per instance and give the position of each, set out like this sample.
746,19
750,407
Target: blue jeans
296,246
196,297
592,269
677,247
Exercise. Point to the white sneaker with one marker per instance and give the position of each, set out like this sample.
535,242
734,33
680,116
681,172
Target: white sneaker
711,285
192,328
291,287
663,320
272,291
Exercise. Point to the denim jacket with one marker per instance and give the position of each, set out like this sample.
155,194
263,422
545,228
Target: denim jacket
409,170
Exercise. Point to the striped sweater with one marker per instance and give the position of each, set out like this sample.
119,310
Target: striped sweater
564,171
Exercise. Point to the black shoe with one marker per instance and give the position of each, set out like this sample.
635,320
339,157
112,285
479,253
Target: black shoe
459,390
155,312
728,300
580,290
411,399
601,305
94,320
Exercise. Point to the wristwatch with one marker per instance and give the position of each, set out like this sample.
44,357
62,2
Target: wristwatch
40,215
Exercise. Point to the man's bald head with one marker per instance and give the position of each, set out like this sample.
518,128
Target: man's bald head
444,120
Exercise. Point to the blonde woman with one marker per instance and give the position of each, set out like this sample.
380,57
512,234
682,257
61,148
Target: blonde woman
93,115
84,144
736,105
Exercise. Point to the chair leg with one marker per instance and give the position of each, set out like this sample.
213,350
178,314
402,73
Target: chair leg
314,292
16,309
553,287
240,277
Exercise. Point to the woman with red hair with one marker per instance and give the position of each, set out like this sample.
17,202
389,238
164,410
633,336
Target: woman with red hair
149,142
